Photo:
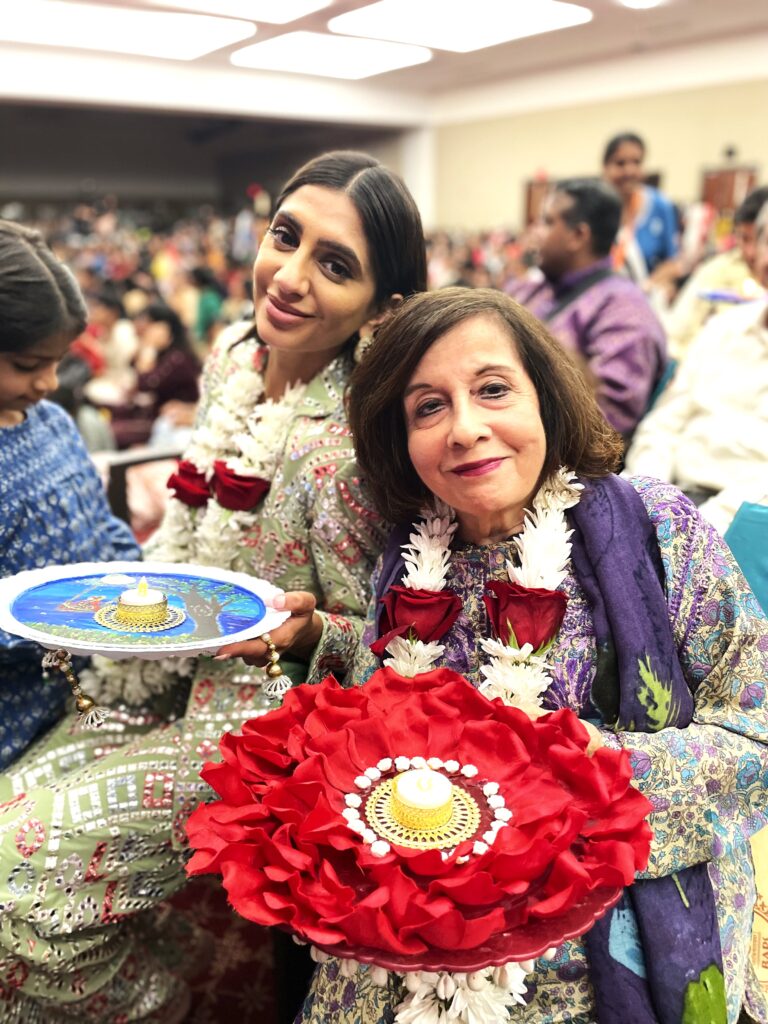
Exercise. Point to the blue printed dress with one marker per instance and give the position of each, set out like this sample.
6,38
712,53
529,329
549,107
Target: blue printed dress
53,511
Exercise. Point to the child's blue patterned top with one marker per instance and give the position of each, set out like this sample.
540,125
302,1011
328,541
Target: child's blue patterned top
53,511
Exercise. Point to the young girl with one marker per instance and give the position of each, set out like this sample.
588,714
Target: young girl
53,510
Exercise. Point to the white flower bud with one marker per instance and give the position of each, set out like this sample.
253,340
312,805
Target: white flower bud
402,763
469,771
435,763
380,848
502,813
373,773
384,765
363,782
348,968
497,802
491,788
352,800
379,975
350,813
451,766
418,762
478,848
413,981
477,981
446,987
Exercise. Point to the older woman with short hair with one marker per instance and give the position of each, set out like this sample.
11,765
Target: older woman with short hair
465,401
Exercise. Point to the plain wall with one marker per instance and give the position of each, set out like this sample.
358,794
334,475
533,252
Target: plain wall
482,167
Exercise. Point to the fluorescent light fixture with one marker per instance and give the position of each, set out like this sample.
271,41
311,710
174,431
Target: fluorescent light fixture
458,25
313,53
271,12
119,29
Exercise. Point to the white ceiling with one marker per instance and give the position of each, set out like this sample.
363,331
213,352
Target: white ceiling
615,31
622,52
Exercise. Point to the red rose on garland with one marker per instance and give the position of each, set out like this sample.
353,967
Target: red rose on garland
533,615
283,839
236,492
427,614
189,485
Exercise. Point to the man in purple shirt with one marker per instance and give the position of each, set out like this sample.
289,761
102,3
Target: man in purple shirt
602,318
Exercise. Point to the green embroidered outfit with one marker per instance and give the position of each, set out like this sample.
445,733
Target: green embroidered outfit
91,831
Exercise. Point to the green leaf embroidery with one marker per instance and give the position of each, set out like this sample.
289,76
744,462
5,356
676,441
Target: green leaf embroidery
655,695
705,999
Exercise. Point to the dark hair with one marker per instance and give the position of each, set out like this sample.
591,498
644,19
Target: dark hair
159,313
748,210
111,298
596,204
204,277
39,296
618,140
577,433
390,217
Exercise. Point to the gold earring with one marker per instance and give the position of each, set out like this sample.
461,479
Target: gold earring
364,343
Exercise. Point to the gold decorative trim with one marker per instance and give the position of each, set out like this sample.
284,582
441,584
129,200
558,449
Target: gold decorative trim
462,825
107,616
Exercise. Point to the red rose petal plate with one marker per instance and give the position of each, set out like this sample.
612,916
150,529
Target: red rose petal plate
523,943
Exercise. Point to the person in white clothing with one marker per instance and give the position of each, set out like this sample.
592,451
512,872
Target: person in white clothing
708,433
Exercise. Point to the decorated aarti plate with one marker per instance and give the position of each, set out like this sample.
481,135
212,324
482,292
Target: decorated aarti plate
137,609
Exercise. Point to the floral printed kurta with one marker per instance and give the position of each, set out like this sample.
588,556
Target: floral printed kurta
708,783
92,832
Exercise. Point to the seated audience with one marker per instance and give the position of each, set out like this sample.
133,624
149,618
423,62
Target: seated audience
708,433
118,345
53,510
167,371
718,281
603,319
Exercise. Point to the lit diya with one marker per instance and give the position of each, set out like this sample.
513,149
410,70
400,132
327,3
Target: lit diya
141,609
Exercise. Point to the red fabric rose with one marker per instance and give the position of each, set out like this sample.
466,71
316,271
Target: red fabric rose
237,492
429,614
287,855
189,485
533,615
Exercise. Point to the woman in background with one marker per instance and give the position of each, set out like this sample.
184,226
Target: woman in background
167,370
649,226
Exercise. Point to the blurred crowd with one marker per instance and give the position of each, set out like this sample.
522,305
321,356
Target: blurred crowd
627,281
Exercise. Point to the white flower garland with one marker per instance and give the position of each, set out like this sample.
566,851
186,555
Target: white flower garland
517,675
249,436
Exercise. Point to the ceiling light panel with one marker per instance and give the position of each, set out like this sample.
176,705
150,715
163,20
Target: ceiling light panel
459,25
313,53
271,12
120,29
